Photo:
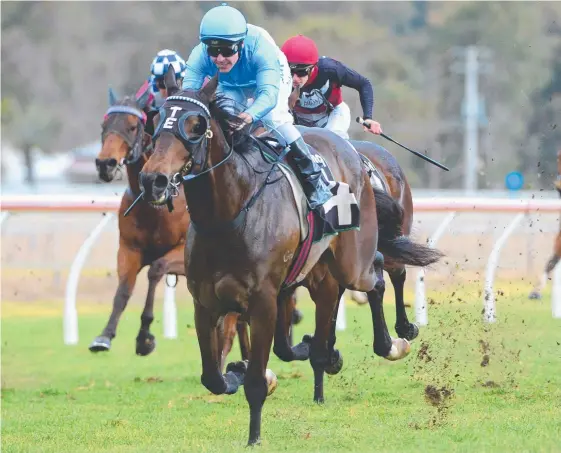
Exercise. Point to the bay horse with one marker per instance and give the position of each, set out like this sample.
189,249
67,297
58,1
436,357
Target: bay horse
148,236
556,256
245,233
398,187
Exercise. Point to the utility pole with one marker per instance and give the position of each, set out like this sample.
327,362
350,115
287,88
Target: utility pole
471,67
471,136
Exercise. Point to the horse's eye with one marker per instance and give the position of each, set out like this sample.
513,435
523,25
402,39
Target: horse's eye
199,128
132,128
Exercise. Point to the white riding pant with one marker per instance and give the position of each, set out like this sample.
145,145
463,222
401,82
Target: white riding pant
339,120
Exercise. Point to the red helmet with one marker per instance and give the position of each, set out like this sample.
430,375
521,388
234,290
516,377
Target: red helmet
300,50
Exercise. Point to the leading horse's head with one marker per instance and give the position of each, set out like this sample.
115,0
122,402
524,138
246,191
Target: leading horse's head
185,132
122,132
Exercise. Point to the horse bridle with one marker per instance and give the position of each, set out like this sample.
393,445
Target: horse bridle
135,144
196,146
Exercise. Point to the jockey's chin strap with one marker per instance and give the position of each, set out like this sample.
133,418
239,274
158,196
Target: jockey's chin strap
136,145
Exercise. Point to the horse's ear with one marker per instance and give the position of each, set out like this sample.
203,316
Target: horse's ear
112,97
209,90
170,81
143,95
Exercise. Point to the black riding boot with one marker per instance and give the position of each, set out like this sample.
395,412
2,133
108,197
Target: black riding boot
315,189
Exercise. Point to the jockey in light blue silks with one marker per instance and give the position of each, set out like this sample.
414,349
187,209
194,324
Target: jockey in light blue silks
251,66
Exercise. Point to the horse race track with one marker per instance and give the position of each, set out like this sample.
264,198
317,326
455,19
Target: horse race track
464,387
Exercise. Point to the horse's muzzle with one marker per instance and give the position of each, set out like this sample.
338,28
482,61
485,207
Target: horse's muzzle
106,169
154,186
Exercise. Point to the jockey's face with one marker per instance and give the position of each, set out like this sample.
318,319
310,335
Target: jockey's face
224,56
298,81
300,74
225,64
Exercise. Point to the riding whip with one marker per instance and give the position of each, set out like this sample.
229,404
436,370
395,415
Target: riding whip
359,120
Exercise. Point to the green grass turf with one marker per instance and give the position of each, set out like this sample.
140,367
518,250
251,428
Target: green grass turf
464,387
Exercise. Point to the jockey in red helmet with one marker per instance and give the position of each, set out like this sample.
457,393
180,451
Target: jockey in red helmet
320,81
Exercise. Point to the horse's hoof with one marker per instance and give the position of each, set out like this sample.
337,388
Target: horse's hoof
400,349
336,363
409,333
272,381
534,295
302,350
296,316
238,368
359,298
145,344
233,382
100,344
254,442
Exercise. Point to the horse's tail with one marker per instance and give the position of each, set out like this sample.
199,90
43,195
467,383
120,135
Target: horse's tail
392,243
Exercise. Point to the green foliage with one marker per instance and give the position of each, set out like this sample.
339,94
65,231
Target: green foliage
405,48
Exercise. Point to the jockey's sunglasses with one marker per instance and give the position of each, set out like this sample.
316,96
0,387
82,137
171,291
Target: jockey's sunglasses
301,70
221,49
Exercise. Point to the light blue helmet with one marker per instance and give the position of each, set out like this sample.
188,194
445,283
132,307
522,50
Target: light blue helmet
223,23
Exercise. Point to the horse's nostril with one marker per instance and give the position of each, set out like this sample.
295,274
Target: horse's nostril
161,182
106,163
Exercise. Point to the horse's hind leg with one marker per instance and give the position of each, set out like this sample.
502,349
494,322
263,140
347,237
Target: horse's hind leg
384,345
325,294
403,327
172,262
335,359
129,263
552,262
231,324
243,337
282,347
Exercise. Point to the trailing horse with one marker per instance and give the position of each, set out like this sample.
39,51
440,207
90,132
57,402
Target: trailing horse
148,236
556,255
246,236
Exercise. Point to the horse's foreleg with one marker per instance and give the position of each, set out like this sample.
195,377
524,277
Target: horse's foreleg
206,326
129,263
324,293
171,262
384,345
403,327
259,382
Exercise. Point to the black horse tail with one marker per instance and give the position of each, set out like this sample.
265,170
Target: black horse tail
391,241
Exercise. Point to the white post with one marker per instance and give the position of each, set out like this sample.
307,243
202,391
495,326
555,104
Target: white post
421,311
70,313
556,293
341,316
170,309
489,314
471,100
